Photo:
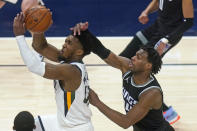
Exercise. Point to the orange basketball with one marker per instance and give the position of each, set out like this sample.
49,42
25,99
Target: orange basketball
38,19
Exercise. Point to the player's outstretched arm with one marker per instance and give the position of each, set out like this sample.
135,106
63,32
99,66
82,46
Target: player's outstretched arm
109,57
150,99
99,49
66,72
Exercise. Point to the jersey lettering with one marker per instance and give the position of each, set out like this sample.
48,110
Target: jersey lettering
129,101
87,89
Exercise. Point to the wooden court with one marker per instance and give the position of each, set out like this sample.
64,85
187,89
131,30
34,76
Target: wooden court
22,90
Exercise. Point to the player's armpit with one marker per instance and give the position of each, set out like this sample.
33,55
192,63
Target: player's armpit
62,72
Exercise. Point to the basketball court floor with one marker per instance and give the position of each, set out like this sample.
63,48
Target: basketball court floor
21,90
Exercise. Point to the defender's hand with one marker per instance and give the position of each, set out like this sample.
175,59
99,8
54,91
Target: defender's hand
79,27
93,98
19,25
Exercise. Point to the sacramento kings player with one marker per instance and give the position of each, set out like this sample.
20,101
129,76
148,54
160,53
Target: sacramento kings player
174,18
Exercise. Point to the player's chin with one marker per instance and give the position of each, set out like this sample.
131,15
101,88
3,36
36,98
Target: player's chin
131,68
62,58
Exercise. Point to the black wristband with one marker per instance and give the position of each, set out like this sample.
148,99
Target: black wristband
187,23
97,47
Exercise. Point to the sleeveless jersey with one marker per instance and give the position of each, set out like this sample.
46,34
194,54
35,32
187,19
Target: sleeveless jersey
170,13
73,107
131,92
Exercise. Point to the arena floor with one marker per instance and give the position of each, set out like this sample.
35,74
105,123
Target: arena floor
21,90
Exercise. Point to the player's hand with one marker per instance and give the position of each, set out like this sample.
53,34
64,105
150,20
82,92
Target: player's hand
19,25
93,98
79,27
161,48
143,18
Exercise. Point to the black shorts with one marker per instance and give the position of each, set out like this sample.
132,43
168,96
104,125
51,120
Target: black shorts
156,31
165,127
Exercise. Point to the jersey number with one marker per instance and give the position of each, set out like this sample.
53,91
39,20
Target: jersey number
86,99
87,89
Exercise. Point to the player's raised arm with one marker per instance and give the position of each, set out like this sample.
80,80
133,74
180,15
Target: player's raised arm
41,45
151,99
99,49
66,72
108,56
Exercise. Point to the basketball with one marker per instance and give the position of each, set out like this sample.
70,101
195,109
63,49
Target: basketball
38,19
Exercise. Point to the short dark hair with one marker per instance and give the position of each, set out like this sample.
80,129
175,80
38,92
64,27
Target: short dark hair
85,41
154,58
24,121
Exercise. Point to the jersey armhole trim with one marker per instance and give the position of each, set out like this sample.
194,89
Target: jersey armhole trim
79,69
125,74
156,87
41,124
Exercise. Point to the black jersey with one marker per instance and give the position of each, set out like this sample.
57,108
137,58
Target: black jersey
131,92
170,13
170,17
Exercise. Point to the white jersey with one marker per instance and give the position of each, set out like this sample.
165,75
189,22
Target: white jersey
73,107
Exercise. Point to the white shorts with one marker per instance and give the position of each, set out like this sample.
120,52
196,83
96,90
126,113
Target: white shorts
50,123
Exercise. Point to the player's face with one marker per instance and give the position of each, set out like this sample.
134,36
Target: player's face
139,62
69,48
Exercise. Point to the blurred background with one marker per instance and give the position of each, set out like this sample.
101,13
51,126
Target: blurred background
106,18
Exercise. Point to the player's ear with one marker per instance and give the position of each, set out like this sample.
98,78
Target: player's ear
79,52
148,66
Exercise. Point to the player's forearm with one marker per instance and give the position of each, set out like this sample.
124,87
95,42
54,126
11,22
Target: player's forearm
186,24
152,7
96,46
116,117
188,21
34,64
39,42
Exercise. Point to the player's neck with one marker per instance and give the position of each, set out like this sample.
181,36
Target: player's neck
141,78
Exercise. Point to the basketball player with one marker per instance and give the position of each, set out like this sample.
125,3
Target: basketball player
174,18
142,93
24,121
70,78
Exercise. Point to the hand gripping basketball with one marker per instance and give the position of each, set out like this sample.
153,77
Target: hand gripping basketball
38,19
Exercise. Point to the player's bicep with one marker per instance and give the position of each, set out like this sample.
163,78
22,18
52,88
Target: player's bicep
119,62
188,9
61,72
147,101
